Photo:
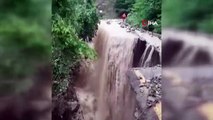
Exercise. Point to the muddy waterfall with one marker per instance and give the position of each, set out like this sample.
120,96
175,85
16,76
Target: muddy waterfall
104,89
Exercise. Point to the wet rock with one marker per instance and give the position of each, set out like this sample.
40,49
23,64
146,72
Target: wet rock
151,99
132,29
122,26
142,90
143,85
128,30
125,24
109,22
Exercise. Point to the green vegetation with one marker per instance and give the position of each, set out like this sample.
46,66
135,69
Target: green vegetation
123,6
140,10
24,42
72,22
146,9
195,15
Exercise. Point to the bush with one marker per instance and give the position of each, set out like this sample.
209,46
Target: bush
87,20
146,9
24,43
122,6
72,22
67,51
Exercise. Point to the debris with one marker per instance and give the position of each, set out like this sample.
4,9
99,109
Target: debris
128,30
122,26
108,22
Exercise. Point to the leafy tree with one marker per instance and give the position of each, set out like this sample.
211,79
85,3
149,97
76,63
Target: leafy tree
24,42
87,19
146,9
195,15
123,6
72,22
81,14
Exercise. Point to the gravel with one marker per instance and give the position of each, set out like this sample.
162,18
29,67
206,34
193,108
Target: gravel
155,92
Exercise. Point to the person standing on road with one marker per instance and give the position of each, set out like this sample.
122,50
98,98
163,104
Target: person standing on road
124,16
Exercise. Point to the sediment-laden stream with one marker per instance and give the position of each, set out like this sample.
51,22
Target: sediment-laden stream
104,90
187,75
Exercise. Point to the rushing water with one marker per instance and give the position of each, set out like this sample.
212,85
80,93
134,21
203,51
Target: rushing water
186,49
188,74
106,93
